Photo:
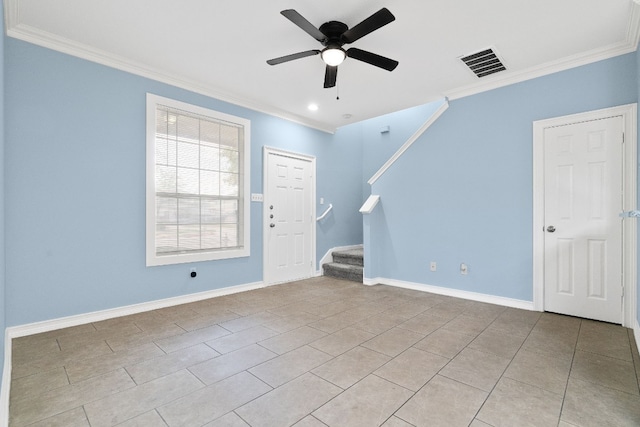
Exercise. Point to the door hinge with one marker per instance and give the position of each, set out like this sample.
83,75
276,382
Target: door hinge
622,291
623,137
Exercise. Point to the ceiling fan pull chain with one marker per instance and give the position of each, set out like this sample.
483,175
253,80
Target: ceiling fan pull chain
337,91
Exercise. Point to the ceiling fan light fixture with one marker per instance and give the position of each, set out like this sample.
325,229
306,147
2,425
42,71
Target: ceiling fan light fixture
333,55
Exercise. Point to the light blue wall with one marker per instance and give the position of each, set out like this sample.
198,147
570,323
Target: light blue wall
2,167
75,194
75,146
638,225
463,191
378,147
345,200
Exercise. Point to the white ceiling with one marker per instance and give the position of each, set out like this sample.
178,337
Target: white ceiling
219,48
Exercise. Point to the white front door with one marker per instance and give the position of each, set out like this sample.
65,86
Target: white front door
289,217
583,196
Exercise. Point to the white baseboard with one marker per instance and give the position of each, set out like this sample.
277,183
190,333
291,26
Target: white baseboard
473,296
371,282
6,382
329,258
96,316
636,334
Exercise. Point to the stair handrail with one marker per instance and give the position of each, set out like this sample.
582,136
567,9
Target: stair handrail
321,217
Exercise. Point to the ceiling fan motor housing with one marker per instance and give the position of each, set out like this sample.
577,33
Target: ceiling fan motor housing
334,31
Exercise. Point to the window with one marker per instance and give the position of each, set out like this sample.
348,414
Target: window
197,183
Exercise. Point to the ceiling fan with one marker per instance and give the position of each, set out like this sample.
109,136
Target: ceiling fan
333,35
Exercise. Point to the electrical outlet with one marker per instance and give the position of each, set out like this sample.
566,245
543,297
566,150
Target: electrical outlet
433,266
464,269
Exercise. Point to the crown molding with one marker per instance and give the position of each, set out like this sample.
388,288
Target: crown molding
11,13
496,81
633,28
542,70
44,39
41,38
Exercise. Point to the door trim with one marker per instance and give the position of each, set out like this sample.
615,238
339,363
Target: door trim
266,152
629,183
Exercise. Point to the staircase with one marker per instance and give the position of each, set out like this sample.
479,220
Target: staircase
347,264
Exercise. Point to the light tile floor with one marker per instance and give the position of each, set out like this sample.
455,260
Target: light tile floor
326,352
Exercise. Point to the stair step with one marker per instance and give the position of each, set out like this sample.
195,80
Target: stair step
344,271
350,256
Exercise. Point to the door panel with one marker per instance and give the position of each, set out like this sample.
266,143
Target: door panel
565,282
583,197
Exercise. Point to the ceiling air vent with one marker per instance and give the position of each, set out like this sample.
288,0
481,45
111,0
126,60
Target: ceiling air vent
484,63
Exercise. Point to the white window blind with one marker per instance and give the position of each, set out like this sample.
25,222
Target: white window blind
200,191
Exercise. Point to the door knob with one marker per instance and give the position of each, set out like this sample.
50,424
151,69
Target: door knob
272,225
551,229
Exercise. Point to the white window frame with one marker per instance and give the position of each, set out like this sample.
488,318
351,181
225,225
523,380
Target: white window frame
153,259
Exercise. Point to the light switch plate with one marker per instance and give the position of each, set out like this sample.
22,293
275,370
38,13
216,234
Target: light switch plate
255,197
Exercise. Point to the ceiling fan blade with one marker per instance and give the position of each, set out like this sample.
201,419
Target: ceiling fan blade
305,25
369,25
330,76
287,58
372,58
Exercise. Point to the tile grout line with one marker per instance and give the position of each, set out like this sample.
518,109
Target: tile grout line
443,367
252,400
505,369
161,417
332,357
573,356
632,343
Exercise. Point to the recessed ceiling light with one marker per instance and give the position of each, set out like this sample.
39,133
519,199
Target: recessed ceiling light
313,107
346,116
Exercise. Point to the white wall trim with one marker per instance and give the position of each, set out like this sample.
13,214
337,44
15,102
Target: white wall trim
328,257
633,28
370,204
630,179
636,333
42,38
266,152
372,282
36,36
153,103
457,293
497,81
6,381
431,120
96,316
628,46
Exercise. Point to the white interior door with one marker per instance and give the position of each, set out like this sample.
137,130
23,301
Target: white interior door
583,196
290,223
